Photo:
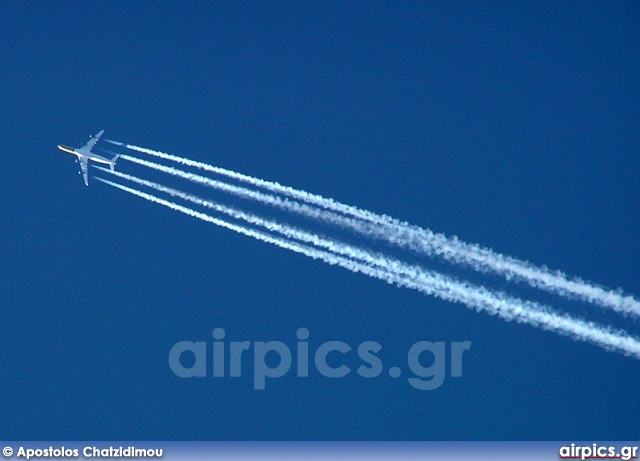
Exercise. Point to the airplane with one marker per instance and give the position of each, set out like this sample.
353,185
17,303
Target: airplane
84,155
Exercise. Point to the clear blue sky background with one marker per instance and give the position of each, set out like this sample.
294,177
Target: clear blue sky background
510,124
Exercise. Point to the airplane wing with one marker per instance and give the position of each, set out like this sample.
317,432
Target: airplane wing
92,142
84,169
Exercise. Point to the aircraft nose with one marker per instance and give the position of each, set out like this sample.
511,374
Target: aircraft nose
64,148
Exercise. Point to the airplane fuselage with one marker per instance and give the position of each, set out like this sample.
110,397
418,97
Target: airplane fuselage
88,155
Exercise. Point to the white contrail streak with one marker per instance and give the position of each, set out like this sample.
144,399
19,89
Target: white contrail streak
407,236
291,232
367,229
394,271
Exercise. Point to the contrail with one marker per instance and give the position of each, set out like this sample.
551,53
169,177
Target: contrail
291,232
288,231
367,229
407,236
401,274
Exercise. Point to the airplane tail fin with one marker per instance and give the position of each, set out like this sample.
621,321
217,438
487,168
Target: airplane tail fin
113,162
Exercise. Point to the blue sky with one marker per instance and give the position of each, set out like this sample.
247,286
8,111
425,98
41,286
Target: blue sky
510,124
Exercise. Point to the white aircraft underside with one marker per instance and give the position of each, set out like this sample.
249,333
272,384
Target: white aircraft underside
84,154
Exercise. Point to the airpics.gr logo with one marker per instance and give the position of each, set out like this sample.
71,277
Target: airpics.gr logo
265,365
